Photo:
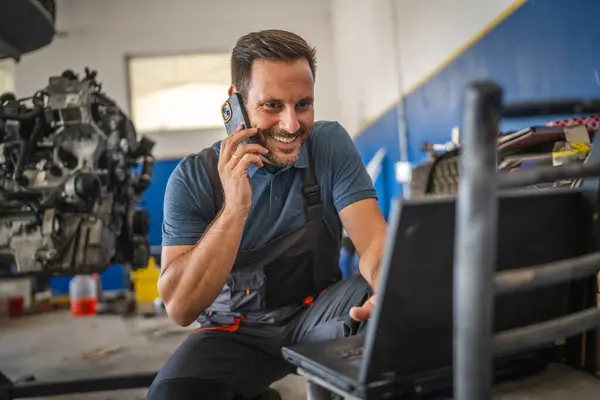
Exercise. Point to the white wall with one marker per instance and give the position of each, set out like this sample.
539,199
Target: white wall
363,34
101,32
430,31
427,32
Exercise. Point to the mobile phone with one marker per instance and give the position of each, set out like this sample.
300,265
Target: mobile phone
234,114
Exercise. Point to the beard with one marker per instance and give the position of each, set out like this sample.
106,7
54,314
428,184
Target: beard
282,154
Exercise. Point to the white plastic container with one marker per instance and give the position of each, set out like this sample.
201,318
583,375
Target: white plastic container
83,293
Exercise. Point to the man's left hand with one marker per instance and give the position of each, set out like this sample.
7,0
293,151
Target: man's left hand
366,228
363,312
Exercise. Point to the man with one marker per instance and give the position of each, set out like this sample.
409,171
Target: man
251,233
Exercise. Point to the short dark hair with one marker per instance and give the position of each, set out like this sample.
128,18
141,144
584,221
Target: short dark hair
272,44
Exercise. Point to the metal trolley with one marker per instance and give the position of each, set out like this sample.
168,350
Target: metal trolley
475,281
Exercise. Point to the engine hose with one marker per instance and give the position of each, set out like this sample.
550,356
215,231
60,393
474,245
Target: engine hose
25,149
13,143
35,111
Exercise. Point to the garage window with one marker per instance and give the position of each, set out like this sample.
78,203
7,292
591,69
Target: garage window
178,93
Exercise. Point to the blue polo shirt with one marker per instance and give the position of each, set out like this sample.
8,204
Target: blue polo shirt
277,201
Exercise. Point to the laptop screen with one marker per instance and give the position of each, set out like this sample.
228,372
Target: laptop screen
411,328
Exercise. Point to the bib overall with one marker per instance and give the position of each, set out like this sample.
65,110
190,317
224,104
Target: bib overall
287,291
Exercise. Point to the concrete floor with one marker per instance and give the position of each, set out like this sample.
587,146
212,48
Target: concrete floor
57,346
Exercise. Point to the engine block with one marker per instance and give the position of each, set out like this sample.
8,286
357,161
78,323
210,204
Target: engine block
72,172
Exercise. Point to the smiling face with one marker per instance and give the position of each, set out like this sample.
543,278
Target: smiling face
279,102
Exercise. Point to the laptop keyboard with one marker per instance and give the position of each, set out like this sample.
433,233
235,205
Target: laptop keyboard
351,353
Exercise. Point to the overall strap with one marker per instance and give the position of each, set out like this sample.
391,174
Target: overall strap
210,160
310,187
311,190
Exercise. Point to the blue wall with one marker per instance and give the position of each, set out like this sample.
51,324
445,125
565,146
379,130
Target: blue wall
383,133
153,198
545,49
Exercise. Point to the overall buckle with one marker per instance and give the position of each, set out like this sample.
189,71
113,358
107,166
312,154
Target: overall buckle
312,194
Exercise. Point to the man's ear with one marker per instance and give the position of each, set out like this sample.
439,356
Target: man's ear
231,90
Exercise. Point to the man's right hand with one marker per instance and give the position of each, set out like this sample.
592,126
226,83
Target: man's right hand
234,161
193,276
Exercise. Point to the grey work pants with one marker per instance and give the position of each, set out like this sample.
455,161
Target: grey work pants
242,364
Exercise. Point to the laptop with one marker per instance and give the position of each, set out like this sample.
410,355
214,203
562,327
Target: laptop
407,347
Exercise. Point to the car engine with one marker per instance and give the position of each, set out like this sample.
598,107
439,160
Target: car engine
72,172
